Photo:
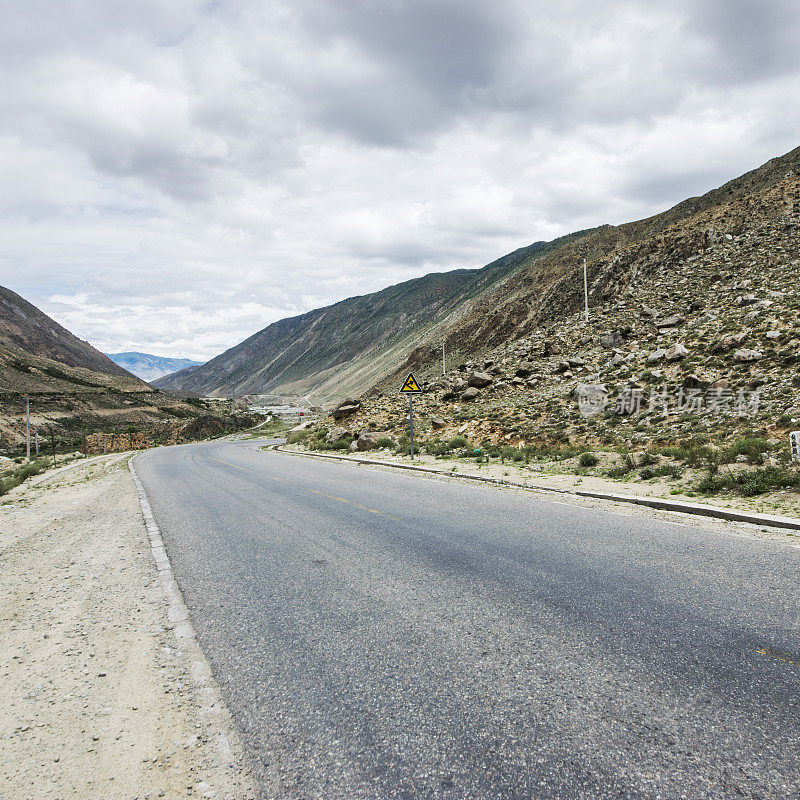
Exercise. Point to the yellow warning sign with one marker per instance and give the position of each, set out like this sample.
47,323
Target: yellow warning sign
411,386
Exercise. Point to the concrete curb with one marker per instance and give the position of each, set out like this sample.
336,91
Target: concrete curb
788,524
213,708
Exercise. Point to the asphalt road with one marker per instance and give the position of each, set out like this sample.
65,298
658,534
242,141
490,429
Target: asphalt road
383,635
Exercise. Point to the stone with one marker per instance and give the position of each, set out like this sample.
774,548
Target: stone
746,300
576,361
669,322
525,369
773,335
611,340
479,380
368,441
676,352
437,423
347,407
745,356
616,359
692,382
552,347
336,434
656,356
459,386
469,394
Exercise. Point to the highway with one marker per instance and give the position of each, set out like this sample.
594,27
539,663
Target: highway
378,634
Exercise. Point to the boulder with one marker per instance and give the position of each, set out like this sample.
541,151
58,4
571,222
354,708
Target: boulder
368,441
692,382
611,340
552,347
656,356
525,369
745,356
576,361
336,434
478,380
676,352
459,386
437,423
345,408
469,394
669,322
616,359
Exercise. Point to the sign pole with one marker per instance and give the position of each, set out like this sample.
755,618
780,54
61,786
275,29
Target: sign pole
411,421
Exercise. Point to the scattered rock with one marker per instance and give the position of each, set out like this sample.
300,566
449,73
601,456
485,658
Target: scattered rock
336,434
669,322
656,356
479,380
347,407
611,340
745,355
437,423
469,394
676,352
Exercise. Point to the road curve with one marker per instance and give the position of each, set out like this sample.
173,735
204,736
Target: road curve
383,635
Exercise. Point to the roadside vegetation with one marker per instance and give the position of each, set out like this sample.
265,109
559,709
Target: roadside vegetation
746,466
11,478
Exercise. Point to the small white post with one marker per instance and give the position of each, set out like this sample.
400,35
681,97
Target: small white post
585,292
28,426
444,365
794,445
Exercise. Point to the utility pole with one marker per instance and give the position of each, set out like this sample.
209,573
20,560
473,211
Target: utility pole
585,292
28,426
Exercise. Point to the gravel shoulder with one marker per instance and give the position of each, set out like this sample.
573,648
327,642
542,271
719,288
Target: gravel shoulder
99,697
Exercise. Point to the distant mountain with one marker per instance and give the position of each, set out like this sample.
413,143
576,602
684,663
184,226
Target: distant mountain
347,347
149,367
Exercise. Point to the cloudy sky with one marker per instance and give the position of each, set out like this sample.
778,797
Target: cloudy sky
177,174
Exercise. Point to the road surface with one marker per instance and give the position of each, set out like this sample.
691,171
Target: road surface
382,635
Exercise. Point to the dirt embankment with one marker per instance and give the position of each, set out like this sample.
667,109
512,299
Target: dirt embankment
98,697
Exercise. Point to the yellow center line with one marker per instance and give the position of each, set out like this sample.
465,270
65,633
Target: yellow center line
765,651
313,491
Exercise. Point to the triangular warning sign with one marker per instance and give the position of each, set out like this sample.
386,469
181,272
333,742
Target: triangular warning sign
411,384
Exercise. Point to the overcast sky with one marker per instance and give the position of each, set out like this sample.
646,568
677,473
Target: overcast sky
178,174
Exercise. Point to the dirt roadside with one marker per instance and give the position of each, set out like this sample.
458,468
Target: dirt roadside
99,698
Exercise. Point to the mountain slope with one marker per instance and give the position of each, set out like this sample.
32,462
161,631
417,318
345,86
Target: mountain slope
149,367
347,347
25,327
74,390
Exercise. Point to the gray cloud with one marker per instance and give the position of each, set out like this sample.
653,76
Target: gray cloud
176,174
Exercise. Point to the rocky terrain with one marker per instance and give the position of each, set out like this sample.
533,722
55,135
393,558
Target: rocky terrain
351,345
75,390
693,335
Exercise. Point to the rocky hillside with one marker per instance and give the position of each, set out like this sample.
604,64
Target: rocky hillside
349,346
694,331
24,327
73,388
149,367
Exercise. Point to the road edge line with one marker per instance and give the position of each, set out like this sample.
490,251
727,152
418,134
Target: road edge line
787,524
213,708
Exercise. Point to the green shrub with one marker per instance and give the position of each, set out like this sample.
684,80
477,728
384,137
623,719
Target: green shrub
751,446
664,471
457,443
751,483
295,437
385,443
588,460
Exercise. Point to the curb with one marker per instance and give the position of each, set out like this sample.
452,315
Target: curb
213,707
788,524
